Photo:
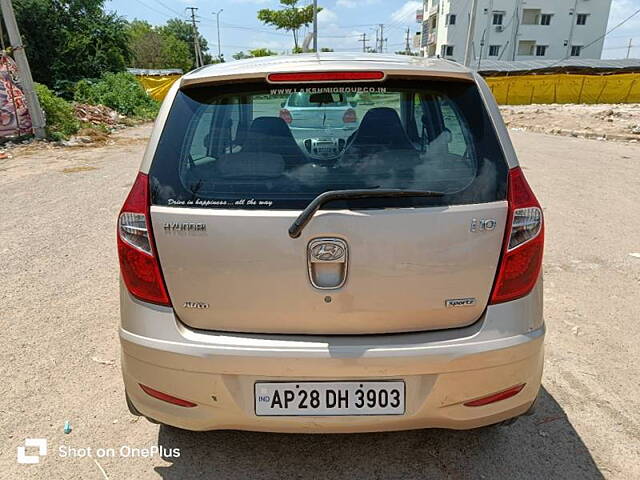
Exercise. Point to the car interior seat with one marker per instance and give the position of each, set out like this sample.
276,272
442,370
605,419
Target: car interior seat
272,135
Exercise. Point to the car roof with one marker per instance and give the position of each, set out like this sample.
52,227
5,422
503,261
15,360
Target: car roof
259,68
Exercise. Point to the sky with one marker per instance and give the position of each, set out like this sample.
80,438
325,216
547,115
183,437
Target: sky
341,23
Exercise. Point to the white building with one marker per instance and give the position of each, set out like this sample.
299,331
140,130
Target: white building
515,29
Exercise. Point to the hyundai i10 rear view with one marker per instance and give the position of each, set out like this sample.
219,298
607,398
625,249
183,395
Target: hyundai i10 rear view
331,243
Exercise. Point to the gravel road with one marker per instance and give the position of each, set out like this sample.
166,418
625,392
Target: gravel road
59,359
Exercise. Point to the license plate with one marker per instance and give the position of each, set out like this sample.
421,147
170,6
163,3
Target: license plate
322,399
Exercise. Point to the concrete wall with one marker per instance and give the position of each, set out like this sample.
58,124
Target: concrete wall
562,33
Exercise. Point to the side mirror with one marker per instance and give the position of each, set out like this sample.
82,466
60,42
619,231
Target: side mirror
282,104
353,104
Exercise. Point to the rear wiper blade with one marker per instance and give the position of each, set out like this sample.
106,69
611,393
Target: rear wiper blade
295,230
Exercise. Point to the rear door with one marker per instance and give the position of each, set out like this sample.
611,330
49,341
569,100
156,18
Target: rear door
366,266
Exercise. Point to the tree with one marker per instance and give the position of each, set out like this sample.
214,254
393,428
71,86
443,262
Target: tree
241,55
258,52
184,31
67,40
290,18
154,47
176,53
262,52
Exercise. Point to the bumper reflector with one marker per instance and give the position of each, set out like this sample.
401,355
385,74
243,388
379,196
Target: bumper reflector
166,398
496,397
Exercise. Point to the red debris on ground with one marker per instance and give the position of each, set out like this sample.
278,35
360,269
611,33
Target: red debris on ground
96,114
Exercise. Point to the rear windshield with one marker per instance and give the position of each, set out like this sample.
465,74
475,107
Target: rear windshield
255,146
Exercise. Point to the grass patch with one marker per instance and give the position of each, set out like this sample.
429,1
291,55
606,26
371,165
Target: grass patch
119,91
60,117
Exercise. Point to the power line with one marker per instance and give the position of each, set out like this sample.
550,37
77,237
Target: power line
597,39
166,15
159,2
240,27
356,26
614,28
400,22
622,47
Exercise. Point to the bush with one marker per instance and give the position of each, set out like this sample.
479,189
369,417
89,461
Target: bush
120,91
61,121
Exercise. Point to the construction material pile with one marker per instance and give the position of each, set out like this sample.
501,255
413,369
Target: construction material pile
97,114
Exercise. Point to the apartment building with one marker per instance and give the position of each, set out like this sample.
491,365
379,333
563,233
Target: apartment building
515,29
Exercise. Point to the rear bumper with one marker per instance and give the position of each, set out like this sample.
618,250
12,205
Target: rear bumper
441,370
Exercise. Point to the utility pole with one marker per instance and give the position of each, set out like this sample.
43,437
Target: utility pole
629,49
381,37
407,46
481,49
196,39
363,39
24,72
574,19
315,26
468,50
217,14
516,28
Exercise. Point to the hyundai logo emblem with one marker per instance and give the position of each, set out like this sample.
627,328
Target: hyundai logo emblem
328,251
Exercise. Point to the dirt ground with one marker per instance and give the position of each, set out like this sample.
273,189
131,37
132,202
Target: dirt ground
613,122
59,359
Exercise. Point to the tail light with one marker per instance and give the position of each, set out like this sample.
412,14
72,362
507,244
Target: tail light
523,242
138,256
286,115
350,116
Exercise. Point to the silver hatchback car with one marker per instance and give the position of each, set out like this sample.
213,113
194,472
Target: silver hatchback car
392,282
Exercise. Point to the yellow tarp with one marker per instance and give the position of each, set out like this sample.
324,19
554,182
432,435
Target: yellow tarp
513,90
566,88
157,87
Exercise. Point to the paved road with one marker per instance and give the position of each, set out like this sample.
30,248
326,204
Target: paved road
59,356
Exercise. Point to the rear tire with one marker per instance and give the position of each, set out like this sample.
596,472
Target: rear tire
134,411
132,408
510,421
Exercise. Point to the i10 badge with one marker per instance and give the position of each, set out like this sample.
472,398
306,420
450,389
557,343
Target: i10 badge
483,225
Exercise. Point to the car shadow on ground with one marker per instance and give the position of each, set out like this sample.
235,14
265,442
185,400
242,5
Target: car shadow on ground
544,445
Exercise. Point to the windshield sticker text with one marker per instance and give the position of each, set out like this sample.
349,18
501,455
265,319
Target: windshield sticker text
242,202
289,91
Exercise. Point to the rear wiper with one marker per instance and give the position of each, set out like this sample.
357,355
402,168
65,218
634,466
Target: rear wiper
295,230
